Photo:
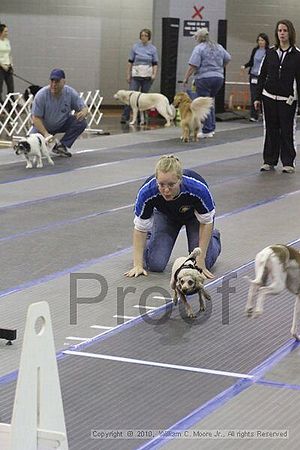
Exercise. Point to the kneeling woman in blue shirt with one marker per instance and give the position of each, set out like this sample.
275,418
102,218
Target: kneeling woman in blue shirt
171,198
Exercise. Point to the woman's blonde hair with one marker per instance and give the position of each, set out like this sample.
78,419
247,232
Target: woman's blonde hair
169,163
201,35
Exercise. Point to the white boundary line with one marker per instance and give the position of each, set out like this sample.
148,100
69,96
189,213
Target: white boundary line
118,316
159,297
150,308
157,364
76,338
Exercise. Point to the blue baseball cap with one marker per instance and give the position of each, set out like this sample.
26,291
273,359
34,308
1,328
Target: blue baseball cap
57,74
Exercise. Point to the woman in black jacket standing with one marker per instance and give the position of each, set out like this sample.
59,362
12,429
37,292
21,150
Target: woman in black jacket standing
278,89
254,63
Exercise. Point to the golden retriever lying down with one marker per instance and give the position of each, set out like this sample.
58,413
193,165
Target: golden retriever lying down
192,113
139,101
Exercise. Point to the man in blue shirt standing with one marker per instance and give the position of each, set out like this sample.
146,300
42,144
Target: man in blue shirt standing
52,112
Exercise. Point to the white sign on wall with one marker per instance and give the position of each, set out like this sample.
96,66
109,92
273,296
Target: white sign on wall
191,26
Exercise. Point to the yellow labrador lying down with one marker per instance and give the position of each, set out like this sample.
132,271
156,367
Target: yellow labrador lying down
139,101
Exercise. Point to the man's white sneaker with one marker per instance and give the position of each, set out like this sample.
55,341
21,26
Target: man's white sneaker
266,168
288,169
206,135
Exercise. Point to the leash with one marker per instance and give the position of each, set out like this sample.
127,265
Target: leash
190,91
23,79
184,87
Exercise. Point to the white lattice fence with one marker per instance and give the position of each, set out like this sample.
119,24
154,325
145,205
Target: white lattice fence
93,100
15,115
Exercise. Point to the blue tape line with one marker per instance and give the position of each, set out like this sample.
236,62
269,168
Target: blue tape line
266,365
199,413
68,194
277,384
53,276
219,400
54,225
67,170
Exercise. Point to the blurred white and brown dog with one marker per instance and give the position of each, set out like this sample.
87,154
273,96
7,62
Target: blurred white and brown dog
34,148
188,279
139,101
192,113
276,267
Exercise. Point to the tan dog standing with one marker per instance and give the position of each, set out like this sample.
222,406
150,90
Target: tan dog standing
280,265
188,279
192,113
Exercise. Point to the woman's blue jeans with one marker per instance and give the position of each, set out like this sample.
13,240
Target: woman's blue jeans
209,87
162,240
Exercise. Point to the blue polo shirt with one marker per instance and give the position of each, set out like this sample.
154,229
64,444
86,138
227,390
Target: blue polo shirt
209,58
194,199
143,57
55,111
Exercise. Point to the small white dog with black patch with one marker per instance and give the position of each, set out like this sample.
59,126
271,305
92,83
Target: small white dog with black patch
280,266
34,148
139,101
187,279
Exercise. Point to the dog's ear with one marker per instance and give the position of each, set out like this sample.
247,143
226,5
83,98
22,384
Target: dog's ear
196,252
26,146
177,285
172,283
199,279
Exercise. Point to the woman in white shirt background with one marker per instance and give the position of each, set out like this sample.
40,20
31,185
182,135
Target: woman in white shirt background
141,67
6,68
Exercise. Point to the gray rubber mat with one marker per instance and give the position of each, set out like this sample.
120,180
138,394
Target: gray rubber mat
56,221
14,172
136,395
119,395
245,421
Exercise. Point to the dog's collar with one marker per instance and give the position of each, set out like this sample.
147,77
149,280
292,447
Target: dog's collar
189,263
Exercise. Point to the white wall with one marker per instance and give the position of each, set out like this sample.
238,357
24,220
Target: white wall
90,39
213,11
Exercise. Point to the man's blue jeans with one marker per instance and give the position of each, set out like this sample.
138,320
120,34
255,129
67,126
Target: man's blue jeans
162,240
209,87
72,129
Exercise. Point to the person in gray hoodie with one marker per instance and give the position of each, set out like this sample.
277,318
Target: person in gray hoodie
207,63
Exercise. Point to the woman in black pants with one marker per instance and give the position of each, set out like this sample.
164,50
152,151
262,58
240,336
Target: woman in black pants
278,89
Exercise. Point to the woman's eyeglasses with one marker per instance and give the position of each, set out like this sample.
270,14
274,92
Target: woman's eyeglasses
167,185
